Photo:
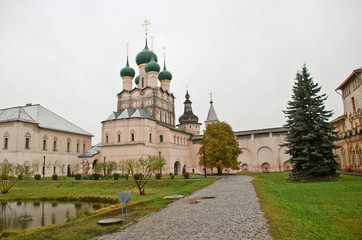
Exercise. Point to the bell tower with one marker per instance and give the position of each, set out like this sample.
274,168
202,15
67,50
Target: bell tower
189,122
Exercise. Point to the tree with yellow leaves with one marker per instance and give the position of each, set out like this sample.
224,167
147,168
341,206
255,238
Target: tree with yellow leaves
221,148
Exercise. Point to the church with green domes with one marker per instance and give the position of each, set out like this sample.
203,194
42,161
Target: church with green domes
144,124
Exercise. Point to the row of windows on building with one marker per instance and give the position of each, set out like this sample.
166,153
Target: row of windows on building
353,158
45,143
168,119
177,139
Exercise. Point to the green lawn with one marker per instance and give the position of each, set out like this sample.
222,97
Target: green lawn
85,227
315,210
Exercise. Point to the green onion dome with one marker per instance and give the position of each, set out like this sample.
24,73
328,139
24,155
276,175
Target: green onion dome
152,66
127,71
137,80
164,75
145,56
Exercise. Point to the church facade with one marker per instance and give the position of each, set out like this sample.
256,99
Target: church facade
144,123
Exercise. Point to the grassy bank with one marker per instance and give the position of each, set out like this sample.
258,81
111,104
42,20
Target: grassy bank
316,210
85,226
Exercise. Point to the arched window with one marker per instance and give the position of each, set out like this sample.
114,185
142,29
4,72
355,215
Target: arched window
119,138
132,137
27,143
160,116
77,147
161,138
83,147
150,138
106,138
54,145
6,143
44,144
68,146
143,81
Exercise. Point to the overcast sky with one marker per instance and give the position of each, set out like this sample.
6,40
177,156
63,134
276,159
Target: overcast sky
66,55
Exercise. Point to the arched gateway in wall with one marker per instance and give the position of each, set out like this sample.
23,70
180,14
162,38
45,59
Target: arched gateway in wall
177,168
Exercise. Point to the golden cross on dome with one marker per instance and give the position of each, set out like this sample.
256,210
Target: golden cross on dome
127,45
145,24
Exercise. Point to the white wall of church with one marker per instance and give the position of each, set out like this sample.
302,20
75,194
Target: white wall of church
262,152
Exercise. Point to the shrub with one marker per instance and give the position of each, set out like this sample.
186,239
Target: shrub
138,176
158,176
126,176
37,176
116,176
54,176
96,176
77,176
186,175
172,176
87,177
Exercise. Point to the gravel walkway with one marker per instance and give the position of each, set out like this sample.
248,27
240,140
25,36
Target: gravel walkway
234,213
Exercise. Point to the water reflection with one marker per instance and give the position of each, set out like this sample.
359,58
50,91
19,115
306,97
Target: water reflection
23,215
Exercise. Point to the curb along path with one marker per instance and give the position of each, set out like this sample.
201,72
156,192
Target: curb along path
234,213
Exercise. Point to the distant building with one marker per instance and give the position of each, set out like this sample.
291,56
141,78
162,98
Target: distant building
349,125
33,135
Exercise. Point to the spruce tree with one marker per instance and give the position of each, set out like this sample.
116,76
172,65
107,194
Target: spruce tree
310,137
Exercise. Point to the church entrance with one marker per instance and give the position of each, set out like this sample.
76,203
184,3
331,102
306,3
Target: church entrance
177,168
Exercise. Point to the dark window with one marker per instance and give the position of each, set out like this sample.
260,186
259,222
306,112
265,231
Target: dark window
54,145
119,138
68,147
6,141
44,144
106,139
132,137
83,147
142,82
150,140
54,170
27,142
77,147
161,138
353,104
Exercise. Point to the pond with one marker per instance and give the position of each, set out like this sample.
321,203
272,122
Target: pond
24,215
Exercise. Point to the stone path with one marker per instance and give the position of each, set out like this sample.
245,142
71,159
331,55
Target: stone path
234,213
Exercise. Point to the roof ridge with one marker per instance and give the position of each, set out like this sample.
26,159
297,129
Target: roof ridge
22,108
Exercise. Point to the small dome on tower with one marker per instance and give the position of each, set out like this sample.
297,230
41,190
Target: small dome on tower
137,80
145,56
152,66
164,75
127,71
188,116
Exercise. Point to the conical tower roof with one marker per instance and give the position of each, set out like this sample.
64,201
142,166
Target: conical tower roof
211,116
